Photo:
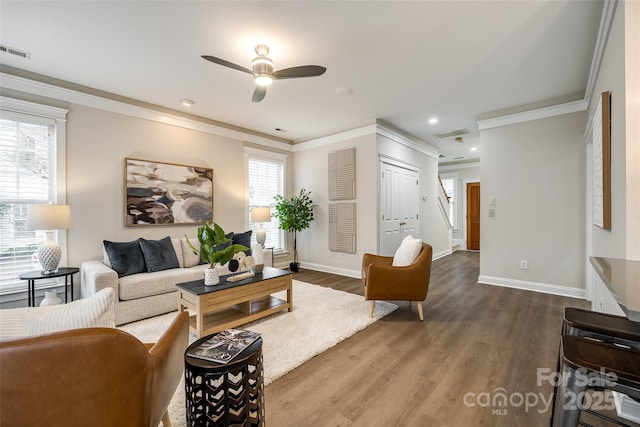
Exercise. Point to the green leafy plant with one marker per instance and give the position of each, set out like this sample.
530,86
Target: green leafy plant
215,247
295,215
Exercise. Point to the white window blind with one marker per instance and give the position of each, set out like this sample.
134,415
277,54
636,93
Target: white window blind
27,176
265,180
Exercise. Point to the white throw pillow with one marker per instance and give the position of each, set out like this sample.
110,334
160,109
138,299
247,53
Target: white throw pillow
407,252
189,258
94,311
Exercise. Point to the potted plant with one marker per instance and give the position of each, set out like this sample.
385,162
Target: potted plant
215,248
295,215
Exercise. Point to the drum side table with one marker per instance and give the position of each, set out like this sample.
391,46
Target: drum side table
225,394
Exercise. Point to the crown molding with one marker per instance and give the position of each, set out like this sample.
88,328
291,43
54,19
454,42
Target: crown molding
336,137
537,114
606,19
409,142
75,97
456,166
372,129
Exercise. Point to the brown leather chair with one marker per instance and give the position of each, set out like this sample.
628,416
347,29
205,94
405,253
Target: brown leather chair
382,281
91,377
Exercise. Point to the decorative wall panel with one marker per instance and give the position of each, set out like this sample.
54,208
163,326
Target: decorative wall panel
342,175
342,227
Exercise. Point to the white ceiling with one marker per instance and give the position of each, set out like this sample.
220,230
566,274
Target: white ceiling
405,61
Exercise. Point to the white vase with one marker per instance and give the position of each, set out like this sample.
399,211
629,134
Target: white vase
50,298
211,276
258,255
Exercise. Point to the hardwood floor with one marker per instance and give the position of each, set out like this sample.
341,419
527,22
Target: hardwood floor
475,342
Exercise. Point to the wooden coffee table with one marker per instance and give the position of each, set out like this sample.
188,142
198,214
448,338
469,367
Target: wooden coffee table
229,304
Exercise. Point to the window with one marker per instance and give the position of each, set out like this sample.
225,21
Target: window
28,175
266,175
449,185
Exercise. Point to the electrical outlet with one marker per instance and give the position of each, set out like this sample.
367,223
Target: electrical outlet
524,264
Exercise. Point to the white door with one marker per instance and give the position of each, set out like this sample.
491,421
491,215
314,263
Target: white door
398,205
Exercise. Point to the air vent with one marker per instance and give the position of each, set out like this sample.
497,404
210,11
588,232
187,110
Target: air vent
456,132
16,52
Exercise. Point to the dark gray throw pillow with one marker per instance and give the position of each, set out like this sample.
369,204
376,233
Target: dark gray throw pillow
243,239
159,254
125,257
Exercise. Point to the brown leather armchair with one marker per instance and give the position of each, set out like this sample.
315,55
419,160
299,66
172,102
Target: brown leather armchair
98,377
382,281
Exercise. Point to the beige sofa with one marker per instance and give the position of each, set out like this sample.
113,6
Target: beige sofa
146,294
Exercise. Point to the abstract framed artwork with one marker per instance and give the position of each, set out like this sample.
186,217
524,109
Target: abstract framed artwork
601,126
159,193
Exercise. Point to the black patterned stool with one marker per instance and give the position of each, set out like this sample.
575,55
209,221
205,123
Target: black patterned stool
226,394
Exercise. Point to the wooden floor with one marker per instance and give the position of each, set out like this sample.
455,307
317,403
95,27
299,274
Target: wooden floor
476,342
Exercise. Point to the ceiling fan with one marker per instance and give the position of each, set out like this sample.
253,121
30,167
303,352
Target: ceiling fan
262,71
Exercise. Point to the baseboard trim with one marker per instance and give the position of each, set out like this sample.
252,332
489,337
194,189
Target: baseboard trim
460,243
331,269
442,254
545,288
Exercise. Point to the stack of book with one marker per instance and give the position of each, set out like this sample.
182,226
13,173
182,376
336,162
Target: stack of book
224,346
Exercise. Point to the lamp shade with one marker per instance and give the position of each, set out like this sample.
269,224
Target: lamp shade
48,217
260,215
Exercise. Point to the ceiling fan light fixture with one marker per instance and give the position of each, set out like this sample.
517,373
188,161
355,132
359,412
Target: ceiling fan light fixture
262,70
263,79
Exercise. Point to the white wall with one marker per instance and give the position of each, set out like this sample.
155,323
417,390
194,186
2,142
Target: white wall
311,173
311,163
620,74
535,170
97,143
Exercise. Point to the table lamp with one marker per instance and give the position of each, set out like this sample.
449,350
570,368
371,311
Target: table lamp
49,218
260,215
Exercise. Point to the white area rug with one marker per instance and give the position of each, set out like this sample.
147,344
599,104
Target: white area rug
321,318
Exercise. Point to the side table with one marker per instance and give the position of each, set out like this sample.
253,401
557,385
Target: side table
32,276
225,394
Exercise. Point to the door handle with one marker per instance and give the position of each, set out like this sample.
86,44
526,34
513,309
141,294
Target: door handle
403,223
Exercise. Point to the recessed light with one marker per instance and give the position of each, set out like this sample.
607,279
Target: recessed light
433,120
474,148
186,102
344,91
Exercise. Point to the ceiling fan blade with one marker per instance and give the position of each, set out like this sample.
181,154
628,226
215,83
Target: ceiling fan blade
259,93
227,64
301,71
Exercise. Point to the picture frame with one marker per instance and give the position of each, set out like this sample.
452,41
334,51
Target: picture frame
158,193
601,133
